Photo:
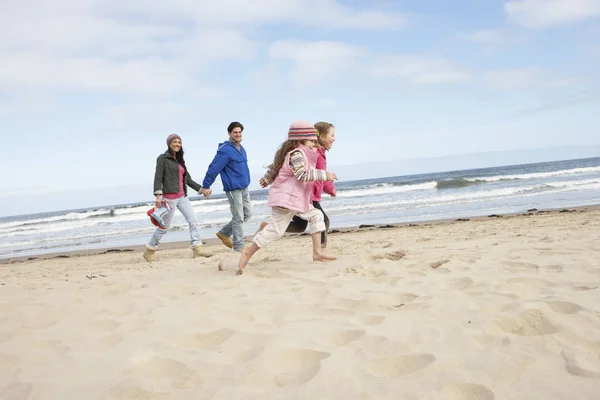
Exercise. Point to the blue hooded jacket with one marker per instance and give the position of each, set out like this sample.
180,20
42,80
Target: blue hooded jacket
232,165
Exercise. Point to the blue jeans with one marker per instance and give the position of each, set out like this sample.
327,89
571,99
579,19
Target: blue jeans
241,211
185,206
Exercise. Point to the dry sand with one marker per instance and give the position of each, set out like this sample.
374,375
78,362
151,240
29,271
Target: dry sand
495,308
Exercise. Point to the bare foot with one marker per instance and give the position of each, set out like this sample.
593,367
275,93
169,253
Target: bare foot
323,257
244,258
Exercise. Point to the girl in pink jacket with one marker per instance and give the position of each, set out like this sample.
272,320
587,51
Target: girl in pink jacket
292,177
326,133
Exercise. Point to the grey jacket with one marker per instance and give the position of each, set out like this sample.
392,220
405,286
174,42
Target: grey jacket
166,177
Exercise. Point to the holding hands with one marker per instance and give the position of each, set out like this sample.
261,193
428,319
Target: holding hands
206,192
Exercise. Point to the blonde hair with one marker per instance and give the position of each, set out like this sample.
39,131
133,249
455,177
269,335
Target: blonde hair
322,130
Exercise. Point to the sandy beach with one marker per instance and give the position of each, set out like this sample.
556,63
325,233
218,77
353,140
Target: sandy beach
503,307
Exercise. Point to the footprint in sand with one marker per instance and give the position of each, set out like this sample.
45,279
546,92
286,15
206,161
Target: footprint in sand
113,292
521,265
248,354
532,282
460,283
394,367
57,346
41,320
16,391
564,307
574,368
340,337
119,311
325,312
439,263
442,271
108,341
467,391
104,325
164,373
377,346
489,342
392,256
314,293
129,392
530,322
386,280
387,301
402,301
347,304
294,366
205,341
369,319
134,325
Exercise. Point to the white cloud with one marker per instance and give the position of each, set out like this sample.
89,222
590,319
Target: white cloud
160,48
25,103
515,78
489,36
316,61
327,14
493,39
419,69
547,13
529,77
148,76
559,101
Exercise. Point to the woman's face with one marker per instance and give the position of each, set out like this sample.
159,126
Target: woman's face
175,145
328,139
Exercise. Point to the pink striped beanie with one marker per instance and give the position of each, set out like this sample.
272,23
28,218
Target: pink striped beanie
302,130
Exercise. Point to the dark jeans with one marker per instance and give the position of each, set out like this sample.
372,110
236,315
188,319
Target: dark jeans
298,225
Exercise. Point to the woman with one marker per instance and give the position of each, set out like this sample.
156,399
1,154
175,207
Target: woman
170,184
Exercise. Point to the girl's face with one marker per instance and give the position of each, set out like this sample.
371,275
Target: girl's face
310,143
328,138
175,145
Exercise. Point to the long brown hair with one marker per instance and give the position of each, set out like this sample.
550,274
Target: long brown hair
285,148
323,128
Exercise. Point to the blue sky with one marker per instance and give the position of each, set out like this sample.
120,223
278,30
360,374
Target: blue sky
90,89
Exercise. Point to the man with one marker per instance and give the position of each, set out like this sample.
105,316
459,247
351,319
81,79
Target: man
232,164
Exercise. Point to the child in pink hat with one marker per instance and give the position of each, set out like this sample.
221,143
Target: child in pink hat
292,176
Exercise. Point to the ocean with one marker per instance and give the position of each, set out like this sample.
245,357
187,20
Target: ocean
411,198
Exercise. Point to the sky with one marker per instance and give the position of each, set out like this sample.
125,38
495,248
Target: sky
90,89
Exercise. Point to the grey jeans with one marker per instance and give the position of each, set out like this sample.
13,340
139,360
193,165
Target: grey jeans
185,206
241,211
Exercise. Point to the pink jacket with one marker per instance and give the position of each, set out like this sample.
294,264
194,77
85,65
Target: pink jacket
287,191
322,186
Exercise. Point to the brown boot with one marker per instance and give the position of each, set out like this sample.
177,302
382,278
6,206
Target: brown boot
226,241
200,252
149,254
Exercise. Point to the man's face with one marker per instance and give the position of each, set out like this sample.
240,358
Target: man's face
236,135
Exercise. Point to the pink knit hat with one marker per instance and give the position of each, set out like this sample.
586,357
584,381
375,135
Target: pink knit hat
172,137
302,130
